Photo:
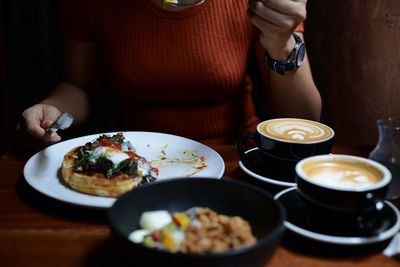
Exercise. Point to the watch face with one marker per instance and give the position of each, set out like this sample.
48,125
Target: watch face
300,55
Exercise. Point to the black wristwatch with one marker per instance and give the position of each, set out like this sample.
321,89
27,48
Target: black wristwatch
295,59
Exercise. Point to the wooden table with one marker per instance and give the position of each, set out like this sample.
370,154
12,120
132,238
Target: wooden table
39,231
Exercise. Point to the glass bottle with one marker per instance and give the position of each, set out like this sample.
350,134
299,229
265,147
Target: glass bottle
387,152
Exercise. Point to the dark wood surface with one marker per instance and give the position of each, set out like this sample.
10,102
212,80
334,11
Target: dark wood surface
39,231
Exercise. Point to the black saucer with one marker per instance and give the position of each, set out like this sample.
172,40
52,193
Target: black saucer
270,172
301,221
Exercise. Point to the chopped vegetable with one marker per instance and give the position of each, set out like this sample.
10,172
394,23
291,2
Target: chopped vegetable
197,230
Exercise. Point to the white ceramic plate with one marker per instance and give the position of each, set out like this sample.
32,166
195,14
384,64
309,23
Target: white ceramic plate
174,156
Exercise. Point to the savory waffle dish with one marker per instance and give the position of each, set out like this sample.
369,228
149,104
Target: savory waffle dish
108,166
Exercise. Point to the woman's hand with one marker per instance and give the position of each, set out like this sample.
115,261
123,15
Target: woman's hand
37,119
277,20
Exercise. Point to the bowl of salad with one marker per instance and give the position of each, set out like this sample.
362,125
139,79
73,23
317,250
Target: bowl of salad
198,222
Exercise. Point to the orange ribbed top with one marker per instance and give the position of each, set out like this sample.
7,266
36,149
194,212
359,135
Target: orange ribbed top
182,73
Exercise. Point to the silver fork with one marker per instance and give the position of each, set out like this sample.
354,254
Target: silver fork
187,3
61,123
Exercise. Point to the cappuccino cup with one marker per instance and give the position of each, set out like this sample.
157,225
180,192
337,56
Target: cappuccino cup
350,186
283,142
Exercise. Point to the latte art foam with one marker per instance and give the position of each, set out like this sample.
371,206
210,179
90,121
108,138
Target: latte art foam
342,174
295,130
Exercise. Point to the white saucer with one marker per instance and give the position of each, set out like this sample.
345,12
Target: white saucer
258,173
299,222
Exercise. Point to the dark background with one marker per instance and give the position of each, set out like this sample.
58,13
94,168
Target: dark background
30,57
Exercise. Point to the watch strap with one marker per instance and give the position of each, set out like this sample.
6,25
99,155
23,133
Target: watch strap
281,66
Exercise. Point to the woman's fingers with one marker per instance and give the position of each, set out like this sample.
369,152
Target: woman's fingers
37,118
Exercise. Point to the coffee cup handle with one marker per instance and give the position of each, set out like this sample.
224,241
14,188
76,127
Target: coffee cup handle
369,218
239,143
